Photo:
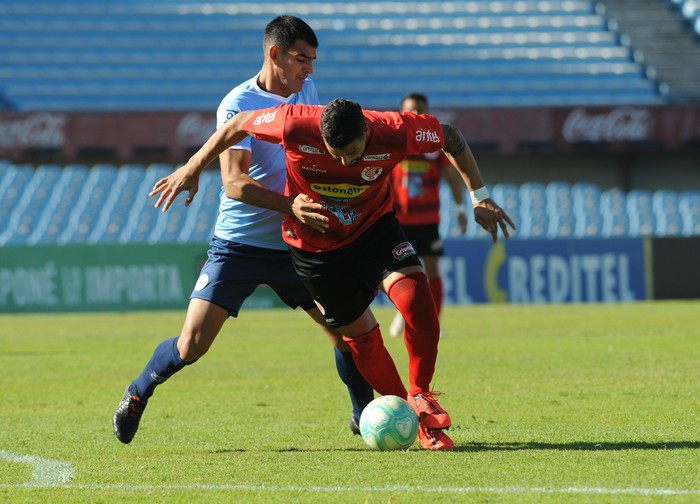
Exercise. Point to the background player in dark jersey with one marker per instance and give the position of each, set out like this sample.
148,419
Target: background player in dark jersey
344,239
415,186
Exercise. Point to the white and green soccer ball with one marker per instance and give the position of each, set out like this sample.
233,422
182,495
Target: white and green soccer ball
389,423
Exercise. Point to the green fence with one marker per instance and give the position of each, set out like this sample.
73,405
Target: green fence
104,277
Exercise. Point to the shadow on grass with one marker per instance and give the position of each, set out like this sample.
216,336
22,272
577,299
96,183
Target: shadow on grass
514,446
579,446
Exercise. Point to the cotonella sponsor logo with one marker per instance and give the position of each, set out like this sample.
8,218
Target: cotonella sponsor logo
403,250
339,190
265,117
427,136
308,149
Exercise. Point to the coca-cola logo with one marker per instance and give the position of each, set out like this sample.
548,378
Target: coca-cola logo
193,129
617,125
41,130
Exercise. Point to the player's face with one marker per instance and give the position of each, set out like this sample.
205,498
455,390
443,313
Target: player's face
415,106
351,154
294,65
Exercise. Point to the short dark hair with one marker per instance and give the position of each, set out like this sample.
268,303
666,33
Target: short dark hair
419,97
283,31
342,122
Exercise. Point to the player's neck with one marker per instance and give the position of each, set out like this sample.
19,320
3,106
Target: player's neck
268,81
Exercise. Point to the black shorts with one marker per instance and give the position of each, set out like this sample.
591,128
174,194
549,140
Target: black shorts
344,281
426,239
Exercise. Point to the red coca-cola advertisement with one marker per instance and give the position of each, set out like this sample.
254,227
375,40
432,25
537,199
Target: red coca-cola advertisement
122,136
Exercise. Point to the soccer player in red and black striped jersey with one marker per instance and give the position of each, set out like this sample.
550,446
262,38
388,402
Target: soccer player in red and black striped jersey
415,185
344,239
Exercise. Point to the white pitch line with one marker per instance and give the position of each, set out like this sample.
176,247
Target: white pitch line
47,473
57,474
389,488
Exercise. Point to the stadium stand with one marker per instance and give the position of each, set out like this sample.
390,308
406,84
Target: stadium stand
109,204
664,35
174,55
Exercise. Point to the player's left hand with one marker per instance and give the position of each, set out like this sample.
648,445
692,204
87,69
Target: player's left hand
490,216
307,211
182,179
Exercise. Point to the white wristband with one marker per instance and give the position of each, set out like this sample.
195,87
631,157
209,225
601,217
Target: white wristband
458,209
479,195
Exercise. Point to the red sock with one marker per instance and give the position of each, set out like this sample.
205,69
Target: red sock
375,363
436,290
411,296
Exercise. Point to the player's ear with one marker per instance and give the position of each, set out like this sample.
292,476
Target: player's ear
273,52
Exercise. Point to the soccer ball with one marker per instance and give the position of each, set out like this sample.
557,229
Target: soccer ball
389,423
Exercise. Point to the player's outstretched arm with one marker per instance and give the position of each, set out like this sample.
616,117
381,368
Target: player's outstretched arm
187,177
456,184
486,212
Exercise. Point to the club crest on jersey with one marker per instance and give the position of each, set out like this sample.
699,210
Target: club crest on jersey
307,149
403,250
427,136
370,173
265,117
376,157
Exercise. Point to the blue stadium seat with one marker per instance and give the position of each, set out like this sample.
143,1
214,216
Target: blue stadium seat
143,219
89,204
562,224
13,187
118,204
615,225
559,197
689,206
157,55
613,201
201,214
60,204
29,207
666,207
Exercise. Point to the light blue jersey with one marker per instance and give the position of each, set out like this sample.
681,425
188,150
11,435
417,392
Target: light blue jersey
238,221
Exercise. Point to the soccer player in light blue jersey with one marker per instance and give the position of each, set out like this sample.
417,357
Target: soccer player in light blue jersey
247,249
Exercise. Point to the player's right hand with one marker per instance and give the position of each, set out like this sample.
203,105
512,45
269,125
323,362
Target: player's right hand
182,179
307,211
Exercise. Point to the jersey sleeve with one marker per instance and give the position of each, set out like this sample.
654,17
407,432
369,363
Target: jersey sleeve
224,113
268,124
423,133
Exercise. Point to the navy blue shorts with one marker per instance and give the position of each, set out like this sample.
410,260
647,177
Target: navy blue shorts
344,281
233,271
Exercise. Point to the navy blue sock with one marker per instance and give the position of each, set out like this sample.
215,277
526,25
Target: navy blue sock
361,393
164,363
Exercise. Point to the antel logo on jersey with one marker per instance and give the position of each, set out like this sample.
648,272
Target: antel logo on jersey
307,149
339,190
427,136
403,250
376,157
266,117
370,173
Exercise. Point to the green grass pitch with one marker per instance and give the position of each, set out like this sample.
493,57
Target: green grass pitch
569,403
